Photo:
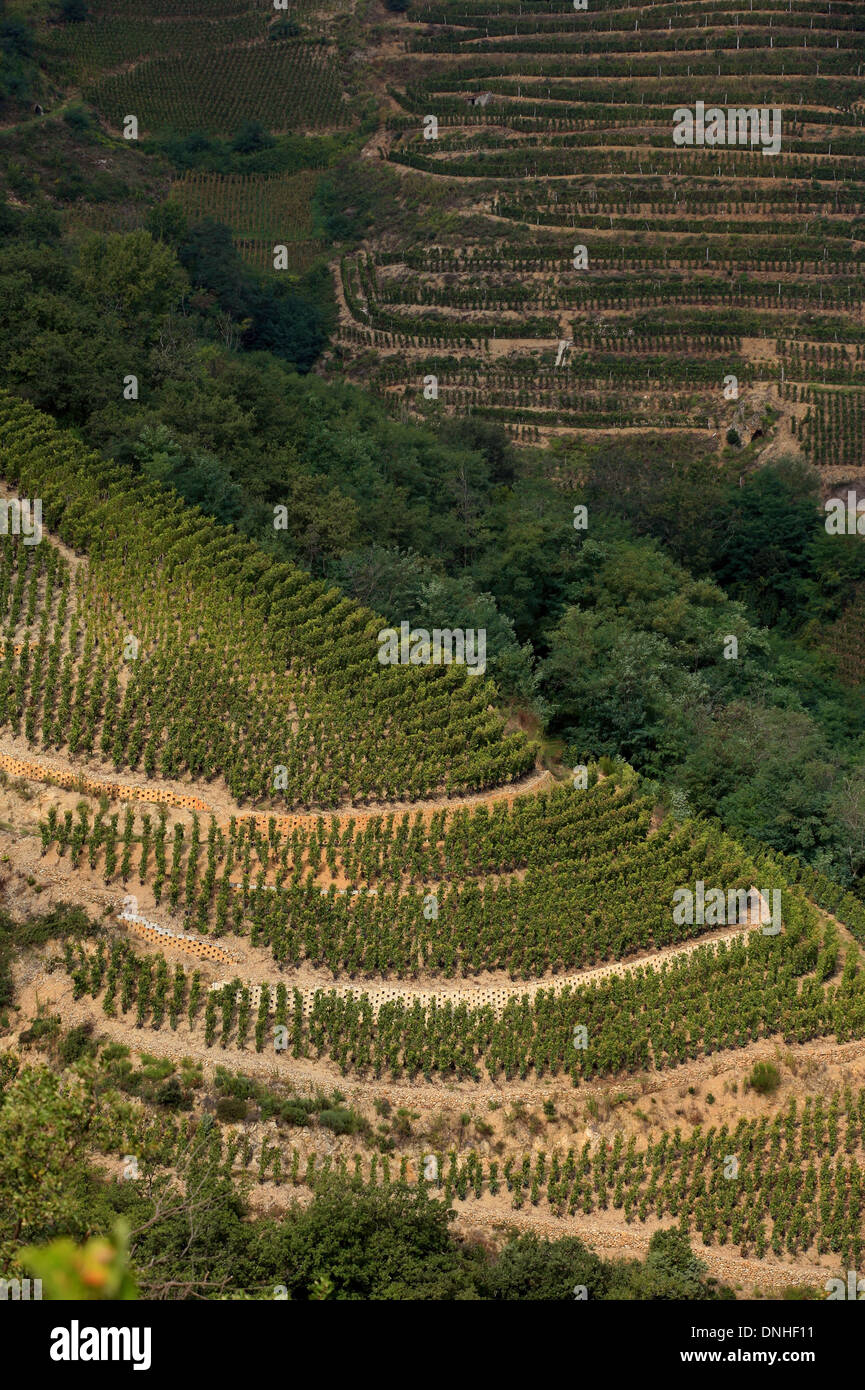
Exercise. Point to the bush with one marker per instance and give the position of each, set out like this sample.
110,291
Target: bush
167,222
280,321
171,1095
290,1112
231,1109
733,438
765,1078
252,136
533,1268
340,1121
380,1243
235,1084
72,11
77,1043
78,118
41,1028
401,1124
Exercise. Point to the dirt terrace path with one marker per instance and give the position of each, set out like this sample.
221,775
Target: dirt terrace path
19,760
232,956
53,992
476,993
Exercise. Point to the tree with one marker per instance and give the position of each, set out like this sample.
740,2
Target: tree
18,70
847,806
286,325
284,28
45,1124
130,275
198,476
768,528
320,519
209,256
530,1268
671,1270
456,603
167,222
767,773
486,438
383,1242
252,136
614,689
279,320
389,582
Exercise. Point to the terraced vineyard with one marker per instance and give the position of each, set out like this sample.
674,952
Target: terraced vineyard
528,888
801,1173
264,211
519,941
550,883
598,275
129,654
180,71
797,1187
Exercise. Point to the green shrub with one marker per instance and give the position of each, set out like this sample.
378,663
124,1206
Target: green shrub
340,1121
235,1084
77,1043
401,1123
765,1078
72,11
78,118
229,1108
171,1095
293,1113
284,29
41,1029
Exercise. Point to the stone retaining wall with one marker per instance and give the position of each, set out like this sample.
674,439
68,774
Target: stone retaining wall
309,820
496,996
161,936
118,791
93,786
